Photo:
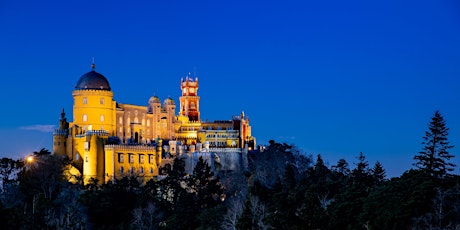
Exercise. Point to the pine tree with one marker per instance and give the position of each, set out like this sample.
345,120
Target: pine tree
434,158
378,173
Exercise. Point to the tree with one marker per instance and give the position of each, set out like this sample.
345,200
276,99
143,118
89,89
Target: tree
378,172
342,167
434,157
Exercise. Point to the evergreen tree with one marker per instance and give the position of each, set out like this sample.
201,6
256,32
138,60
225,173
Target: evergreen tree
342,167
434,158
378,173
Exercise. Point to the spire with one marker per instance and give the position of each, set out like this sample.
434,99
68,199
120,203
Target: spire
62,114
93,66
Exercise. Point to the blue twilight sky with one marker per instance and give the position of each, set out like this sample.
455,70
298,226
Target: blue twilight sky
332,77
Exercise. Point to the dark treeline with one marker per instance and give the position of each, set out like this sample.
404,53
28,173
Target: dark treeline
282,188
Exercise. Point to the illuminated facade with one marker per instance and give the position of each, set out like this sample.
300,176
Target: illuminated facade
110,140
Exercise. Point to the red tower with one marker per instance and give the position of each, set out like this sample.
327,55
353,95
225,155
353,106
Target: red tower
190,101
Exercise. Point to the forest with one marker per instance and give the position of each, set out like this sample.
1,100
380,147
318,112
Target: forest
282,188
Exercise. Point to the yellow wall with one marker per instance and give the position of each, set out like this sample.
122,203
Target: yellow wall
117,156
97,106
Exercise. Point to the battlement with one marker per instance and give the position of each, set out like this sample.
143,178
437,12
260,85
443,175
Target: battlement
96,133
61,132
133,148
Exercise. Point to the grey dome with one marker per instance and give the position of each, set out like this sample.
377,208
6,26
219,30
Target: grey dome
92,80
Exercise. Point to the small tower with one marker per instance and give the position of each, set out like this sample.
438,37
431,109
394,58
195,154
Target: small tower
190,101
60,136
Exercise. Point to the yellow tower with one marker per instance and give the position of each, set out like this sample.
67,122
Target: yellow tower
94,108
190,101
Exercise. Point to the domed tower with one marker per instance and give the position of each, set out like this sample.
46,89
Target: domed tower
94,108
154,105
190,101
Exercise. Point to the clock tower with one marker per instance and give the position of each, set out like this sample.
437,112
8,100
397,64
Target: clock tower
190,101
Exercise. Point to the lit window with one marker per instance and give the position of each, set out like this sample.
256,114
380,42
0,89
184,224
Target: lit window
151,159
85,117
102,118
121,158
131,158
148,123
120,120
141,158
85,100
102,100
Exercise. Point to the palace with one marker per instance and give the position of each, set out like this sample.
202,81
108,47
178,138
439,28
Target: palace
108,140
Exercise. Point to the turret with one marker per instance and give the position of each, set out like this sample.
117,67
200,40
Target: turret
60,136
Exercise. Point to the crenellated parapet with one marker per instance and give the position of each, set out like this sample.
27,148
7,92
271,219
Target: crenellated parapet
132,148
61,132
225,150
101,133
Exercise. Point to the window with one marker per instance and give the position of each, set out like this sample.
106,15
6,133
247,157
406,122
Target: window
122,170
151,159
131,170
141,158
77,156
148,123
131,158
102,118
85,100
141,170
151,170
85,117
121,158
102,101
120,120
